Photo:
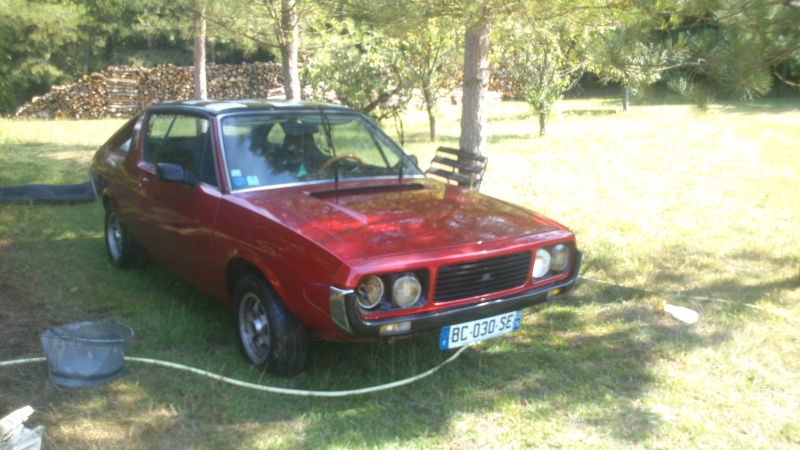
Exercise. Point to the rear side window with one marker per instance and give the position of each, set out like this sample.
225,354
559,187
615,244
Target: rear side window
121,140
183,140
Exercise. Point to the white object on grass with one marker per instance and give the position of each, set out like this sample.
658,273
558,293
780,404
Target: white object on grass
685,315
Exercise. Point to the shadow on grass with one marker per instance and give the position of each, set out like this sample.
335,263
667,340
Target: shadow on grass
594,353
421,138
737,287
765,105
592,112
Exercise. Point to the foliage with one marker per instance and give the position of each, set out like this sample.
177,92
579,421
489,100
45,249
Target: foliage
430,45
737,46
733,48
36,47
431,57
545,60
634,55
360,68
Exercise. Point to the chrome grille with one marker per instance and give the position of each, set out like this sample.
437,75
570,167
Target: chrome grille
456,281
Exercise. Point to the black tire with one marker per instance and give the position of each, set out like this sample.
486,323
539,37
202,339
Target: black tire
123,251
268,332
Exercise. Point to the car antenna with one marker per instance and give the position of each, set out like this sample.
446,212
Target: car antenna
326,126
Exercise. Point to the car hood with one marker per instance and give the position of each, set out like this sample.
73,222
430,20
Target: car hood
379,220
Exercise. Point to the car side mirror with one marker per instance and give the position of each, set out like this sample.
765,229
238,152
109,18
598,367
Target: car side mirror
414,159
173,173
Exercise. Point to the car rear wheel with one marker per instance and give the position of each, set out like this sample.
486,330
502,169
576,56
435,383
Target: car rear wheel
123,251
268,332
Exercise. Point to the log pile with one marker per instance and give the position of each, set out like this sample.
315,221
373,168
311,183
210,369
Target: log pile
123,91
84,99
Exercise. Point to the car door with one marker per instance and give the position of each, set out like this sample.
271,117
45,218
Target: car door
177,219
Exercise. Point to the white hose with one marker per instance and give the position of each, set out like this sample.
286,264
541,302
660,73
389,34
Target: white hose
272,389
22,361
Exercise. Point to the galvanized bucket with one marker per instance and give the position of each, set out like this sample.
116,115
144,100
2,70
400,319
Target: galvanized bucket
85,353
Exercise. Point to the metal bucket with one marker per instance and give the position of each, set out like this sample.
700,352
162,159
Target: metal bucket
85,353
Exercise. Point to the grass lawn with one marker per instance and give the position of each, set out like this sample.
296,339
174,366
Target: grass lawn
699,209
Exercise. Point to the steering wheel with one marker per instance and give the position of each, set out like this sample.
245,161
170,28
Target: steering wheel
336,159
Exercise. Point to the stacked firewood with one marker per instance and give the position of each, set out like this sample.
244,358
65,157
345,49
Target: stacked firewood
122,91
163,83
84,99
257,80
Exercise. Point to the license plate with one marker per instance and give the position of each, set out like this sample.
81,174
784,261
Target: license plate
455,336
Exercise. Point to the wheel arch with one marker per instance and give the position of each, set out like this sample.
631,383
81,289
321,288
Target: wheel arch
238,267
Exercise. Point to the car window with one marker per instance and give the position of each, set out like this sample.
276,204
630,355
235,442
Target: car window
125,147
280,148
183,140
352,139
121,140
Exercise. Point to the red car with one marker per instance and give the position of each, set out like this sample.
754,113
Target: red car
309,220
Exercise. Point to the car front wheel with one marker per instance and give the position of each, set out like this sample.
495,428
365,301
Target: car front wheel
268,332
122,249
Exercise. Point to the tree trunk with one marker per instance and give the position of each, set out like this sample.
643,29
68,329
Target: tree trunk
200,86
626,97
288,42
430,106
542,119
476,85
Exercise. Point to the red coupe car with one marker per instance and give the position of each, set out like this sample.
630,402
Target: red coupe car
310,221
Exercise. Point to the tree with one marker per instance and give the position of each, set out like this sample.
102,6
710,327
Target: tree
430,58
287,31
474,109
200,81
630,56
475,18
736,47
544,60
187,19
37,48
285,19
362,69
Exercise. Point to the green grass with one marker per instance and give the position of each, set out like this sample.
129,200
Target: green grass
668,203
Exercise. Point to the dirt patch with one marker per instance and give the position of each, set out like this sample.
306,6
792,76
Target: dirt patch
22,318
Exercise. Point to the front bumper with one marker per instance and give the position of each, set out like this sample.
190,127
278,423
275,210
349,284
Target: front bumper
344,310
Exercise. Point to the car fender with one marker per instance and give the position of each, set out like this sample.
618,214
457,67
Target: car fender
309,304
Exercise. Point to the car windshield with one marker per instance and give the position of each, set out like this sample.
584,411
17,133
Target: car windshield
275,148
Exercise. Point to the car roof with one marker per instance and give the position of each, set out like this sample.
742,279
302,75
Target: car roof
215,107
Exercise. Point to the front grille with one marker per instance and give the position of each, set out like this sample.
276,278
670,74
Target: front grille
470,279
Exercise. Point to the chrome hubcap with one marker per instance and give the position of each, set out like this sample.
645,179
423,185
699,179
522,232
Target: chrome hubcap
114,236
254,328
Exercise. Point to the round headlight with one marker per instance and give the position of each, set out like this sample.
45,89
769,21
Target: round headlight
369,292
560,258
542,264
406,291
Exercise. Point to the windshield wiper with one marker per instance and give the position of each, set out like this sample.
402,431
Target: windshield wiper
326,126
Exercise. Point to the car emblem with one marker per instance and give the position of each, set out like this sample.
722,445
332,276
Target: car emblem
486,277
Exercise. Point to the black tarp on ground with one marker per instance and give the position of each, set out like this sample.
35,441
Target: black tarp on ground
47,193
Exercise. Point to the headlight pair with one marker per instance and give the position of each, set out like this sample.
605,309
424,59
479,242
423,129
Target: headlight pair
551,260
406,290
